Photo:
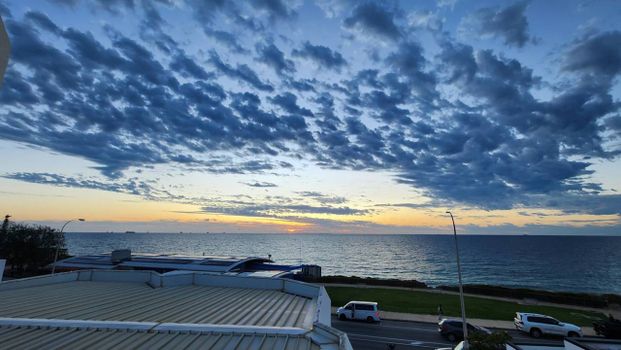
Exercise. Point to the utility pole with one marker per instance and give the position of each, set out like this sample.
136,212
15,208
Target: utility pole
461,288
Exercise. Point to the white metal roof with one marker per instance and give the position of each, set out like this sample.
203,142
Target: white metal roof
68,338
126,301
183,298
117,309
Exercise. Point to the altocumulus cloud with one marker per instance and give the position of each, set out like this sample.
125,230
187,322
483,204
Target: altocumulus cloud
322,55
284,207
508,23
461,123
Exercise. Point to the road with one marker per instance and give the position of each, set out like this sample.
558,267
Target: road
405,335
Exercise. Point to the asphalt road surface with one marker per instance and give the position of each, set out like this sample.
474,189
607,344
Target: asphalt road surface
407,335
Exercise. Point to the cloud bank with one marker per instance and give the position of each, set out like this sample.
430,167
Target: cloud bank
462,124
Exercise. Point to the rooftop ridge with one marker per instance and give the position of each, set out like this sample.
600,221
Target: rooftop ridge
148,326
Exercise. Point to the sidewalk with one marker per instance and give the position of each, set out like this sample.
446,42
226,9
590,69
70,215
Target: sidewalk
400,316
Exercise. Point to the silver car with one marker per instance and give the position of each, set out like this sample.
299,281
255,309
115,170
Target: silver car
536,325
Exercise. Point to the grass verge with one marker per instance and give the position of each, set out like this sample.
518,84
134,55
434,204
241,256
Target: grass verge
417,302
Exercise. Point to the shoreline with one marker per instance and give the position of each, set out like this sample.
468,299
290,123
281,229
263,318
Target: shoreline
450,234
524,295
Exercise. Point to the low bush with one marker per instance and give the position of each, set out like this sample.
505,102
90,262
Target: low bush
369,281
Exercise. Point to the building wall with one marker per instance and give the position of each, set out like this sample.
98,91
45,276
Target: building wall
325,308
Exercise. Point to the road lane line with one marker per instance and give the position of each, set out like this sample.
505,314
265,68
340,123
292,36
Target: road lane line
365,325
413,345
389,339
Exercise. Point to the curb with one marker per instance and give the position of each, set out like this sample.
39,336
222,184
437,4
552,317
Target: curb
497,324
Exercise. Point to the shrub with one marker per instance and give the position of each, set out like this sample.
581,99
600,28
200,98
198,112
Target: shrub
29,248
494,341
391,282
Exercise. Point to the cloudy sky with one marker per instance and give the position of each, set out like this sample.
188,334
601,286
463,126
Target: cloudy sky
302,116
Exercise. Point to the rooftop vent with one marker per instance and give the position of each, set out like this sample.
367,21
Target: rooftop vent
312,271
120,255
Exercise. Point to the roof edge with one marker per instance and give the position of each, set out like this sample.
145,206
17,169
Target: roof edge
157,280
322,334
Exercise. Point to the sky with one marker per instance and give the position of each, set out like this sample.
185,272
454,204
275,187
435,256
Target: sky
313,116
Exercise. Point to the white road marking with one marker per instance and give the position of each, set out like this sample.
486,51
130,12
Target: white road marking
375,326
392,340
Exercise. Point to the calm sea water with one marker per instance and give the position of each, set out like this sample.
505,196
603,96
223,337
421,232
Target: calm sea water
567,263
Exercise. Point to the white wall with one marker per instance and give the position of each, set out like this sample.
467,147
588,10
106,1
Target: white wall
39,280
324,312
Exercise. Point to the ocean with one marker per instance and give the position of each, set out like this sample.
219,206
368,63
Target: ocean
558,263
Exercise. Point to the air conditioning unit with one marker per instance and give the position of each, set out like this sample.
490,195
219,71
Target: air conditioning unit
120,255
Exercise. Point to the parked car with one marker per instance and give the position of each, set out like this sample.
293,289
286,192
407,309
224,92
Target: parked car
609,327
359,310
453,330
536,325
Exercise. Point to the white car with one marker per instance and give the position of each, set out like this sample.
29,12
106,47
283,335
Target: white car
536,325
359,310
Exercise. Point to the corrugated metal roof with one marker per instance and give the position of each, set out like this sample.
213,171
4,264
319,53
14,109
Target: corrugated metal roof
97,309
128,301
54,338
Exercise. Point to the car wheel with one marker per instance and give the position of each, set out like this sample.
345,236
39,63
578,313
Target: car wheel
342,317
370,319
451,337
535,333
573,334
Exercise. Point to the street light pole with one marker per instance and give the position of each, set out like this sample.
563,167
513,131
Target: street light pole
461,288
58,246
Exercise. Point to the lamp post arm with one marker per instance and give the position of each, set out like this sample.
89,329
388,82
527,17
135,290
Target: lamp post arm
58,246
63,227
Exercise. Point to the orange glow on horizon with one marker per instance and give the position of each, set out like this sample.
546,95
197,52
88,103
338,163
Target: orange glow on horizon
32,202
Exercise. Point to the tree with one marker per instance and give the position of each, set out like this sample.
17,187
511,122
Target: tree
494,341
29,248
3,234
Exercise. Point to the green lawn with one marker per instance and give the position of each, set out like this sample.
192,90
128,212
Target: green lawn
417,302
